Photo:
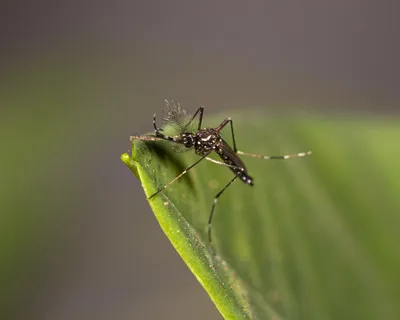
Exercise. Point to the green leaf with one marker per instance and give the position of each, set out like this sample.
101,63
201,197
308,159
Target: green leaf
314,238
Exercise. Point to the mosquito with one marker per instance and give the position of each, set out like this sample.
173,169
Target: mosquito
204,141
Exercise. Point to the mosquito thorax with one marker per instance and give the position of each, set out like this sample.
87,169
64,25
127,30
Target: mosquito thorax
206,140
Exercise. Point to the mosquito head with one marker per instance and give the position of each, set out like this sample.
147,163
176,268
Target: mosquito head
188,140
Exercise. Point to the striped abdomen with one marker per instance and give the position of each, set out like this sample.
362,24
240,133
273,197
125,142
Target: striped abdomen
229,157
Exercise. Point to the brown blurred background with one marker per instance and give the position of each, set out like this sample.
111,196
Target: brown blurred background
78,77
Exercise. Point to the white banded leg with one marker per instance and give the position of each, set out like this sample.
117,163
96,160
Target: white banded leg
224,164
284,157
145,138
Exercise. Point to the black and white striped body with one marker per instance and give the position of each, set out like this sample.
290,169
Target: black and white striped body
208,140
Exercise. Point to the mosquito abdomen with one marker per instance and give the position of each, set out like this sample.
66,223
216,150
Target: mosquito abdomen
236,164
245,177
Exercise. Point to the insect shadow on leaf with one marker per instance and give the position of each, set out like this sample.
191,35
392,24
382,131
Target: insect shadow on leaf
170,160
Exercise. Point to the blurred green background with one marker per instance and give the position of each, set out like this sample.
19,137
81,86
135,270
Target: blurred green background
77,237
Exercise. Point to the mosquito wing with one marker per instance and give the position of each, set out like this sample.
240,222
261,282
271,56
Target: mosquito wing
227,154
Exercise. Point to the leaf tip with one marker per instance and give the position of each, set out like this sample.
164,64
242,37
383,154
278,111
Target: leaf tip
125,158
130,163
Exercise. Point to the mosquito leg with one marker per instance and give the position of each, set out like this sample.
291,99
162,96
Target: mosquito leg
180,175
213,207
157,130
284,157
224,164
200,112
222,125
